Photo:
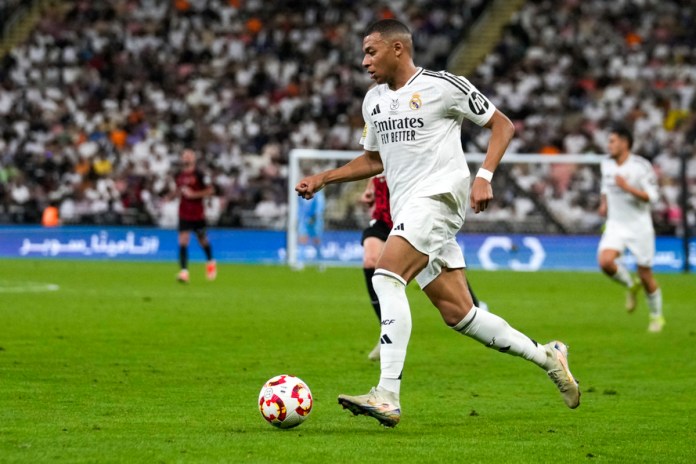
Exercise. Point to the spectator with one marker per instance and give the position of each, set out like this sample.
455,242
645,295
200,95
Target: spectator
114,89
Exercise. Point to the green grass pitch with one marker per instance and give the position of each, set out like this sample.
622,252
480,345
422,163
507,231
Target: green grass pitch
122,364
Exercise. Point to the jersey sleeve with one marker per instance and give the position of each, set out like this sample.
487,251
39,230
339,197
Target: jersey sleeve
648,184
468,101
369,136
604,187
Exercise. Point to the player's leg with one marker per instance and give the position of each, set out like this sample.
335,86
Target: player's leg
608,261
642,246
211,265
373,239
184,238
478,303
309,246
647,278
641,243
316,243
302,241
317,234
449,293
421,226
397,265
372,249
204,242
653,294
474,300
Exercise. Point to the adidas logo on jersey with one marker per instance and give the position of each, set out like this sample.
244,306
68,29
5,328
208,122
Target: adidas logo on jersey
375,110
399,227
385,340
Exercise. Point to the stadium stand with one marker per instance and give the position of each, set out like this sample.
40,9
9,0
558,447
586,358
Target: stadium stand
97,104
565,71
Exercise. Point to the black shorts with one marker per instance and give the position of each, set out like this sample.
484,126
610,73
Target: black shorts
197,226
378,229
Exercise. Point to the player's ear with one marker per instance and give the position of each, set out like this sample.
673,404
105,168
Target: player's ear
398,48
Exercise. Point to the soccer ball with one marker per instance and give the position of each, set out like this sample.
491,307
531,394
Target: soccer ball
285,401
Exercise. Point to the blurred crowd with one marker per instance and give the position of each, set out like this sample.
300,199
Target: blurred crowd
97,105
565,71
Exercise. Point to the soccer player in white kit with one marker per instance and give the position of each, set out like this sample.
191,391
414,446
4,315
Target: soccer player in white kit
629,186
413,122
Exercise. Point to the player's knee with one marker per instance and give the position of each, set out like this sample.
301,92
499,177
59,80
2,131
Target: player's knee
646,277
372,249
451,313
369,261
607,264
452,318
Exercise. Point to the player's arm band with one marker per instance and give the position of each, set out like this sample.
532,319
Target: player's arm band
485,174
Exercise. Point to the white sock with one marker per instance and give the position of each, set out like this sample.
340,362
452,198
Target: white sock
494,332
396,327
655,302
622,276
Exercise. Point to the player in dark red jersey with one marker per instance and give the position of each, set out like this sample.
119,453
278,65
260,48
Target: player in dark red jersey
192,188
376,196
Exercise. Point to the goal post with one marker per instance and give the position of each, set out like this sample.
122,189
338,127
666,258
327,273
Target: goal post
515,182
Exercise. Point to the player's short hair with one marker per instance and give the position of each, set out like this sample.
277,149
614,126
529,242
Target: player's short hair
623,132
387,27
390,29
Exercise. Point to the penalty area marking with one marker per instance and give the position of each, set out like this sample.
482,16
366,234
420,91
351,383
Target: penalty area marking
27,287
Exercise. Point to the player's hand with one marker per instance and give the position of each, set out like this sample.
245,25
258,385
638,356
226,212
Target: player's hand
308,186
186,192
621,182
481,194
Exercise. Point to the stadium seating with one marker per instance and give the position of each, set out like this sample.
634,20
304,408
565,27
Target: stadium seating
97,104
565,71
95,107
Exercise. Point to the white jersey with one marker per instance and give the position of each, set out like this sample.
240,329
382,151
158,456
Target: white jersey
417,131
624,210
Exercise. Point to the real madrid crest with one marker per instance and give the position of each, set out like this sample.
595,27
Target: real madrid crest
394,104
415,102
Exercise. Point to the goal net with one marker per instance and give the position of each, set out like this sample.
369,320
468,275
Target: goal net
534,194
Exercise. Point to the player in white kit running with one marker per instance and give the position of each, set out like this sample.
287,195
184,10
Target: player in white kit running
413,120
629,186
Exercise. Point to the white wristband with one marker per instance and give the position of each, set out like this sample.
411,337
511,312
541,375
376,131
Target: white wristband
485,174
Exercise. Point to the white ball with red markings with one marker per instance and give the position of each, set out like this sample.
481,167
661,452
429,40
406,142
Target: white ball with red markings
285,401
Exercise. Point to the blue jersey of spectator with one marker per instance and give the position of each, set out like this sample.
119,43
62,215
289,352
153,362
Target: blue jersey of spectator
310,218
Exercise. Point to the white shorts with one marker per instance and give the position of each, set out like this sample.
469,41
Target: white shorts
431,224
641,243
